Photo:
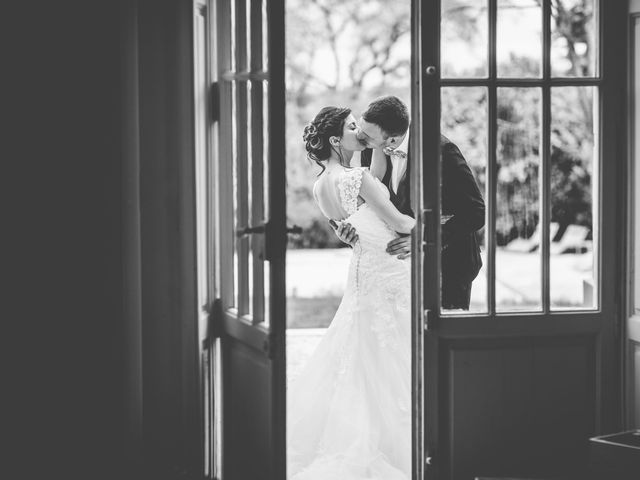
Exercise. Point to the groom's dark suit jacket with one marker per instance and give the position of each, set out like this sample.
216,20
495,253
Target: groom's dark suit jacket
461,198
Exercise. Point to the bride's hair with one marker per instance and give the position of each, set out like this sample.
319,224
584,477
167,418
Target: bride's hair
329,122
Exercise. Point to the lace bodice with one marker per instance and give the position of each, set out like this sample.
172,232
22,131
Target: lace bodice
338,196
349,183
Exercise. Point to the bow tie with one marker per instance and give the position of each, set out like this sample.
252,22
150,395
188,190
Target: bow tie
396,154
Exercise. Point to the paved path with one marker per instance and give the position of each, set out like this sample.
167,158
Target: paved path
301,342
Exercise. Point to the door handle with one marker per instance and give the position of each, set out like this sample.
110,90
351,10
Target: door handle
294,230
430,229
429,459
241,232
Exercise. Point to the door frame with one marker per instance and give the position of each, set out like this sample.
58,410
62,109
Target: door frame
426,305
631,329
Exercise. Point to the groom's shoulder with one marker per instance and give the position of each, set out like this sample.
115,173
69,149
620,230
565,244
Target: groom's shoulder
451,154
447,147
446,143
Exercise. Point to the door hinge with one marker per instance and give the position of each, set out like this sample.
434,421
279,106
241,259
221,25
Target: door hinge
428,319
269,346
214,101
216,314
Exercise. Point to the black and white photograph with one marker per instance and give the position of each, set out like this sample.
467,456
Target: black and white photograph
324,240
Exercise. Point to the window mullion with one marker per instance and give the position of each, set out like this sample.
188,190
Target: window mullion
545,196
491,192
545,148
242,152
520,82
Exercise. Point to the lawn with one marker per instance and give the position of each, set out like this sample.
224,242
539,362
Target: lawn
316,280
314,312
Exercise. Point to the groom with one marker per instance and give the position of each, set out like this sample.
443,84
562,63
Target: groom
384,125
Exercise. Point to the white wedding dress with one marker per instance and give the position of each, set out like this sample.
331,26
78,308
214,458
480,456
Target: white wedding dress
349,414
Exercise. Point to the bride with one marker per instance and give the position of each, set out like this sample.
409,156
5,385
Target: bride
349,414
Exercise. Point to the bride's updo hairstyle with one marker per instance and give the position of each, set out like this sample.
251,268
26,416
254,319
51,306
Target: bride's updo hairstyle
329,122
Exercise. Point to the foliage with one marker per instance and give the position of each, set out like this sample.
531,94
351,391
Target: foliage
346,53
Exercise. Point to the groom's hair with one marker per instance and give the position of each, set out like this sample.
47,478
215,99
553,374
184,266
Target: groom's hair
389,113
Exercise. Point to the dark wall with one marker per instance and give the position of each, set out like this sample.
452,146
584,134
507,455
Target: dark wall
98,172
63,302
168,307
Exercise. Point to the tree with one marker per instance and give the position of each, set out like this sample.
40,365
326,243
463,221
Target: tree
344,52
336,45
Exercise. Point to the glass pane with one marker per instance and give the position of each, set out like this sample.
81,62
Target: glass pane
257,41
250,277
464,38
464,122
251,239
241,196
207,429
240,34
232,11
573,202
234,203
518,256
519,38
256,186
247,40
267,293
573,38
265,191
265,149
265,37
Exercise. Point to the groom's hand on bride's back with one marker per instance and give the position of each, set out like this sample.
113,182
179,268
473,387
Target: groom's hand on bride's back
400,246
345,232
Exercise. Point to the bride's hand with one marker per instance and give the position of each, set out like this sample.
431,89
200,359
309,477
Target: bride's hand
345,232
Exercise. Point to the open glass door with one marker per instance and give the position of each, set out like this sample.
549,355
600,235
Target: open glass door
516,384
633,318
207,287
249,238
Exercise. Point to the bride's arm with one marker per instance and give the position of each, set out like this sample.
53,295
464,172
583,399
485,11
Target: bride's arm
382,206
378,165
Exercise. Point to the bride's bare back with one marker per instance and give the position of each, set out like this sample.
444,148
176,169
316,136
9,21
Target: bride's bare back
326,191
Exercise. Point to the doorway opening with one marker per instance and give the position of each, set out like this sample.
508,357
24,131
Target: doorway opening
345,54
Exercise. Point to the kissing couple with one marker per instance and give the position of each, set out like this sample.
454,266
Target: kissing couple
349,413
